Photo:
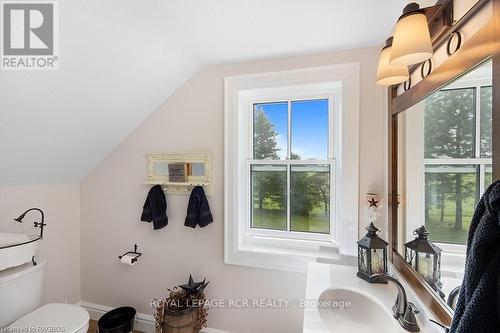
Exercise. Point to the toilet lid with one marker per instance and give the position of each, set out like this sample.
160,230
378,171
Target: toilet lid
54,318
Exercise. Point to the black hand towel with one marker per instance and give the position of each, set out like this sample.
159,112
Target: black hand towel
198,211
478,306
155,208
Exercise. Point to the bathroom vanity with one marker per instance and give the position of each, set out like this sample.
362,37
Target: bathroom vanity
338,301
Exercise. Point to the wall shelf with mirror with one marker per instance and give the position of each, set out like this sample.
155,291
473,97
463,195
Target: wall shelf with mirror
444,151
178,173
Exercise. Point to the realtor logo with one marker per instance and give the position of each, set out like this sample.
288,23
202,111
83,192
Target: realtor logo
30,35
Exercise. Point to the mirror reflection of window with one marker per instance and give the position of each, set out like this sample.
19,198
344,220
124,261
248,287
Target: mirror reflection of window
485,107
457,156
450,198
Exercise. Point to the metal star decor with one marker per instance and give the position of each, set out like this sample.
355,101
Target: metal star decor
194,287
203,286
373,202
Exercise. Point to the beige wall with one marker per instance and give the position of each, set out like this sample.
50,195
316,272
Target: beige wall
61,243
192,120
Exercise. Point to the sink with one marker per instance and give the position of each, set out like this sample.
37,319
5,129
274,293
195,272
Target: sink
17,249
340,302
345,310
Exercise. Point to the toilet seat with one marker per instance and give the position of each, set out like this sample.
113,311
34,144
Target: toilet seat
54,318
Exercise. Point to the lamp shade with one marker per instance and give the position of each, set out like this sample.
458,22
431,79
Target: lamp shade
388,74
412,41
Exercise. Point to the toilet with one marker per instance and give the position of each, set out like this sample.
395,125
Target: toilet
21,308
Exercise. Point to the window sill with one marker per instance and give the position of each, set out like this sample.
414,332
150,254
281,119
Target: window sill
282,254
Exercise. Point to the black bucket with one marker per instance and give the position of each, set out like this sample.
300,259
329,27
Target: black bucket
119,320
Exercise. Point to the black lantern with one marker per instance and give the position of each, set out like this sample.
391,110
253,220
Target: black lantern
425,257
372,255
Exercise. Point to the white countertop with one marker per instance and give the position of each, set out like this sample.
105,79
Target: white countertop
321,277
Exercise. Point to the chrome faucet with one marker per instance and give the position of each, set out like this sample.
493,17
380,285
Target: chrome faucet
403,310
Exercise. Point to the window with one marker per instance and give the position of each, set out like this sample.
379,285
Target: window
291,190
457,159
290,169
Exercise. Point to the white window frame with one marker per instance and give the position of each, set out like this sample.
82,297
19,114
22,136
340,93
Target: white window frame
292,250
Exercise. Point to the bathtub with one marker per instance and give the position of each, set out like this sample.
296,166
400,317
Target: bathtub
17,249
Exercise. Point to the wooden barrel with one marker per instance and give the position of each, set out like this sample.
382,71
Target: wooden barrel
182,321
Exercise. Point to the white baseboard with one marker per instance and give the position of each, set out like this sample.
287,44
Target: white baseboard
145,323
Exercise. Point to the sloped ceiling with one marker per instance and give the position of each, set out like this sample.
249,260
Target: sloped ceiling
120,59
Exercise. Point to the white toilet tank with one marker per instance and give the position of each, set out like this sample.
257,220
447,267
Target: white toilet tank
20,291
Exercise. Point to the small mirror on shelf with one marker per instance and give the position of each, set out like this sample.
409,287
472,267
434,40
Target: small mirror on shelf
180,172
196,169
161,169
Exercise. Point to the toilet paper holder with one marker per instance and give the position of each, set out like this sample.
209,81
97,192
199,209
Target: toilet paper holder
138,254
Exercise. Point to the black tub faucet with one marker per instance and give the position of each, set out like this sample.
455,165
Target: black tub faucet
40,224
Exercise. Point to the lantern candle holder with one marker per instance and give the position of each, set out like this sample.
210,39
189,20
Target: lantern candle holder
425,257
372,255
